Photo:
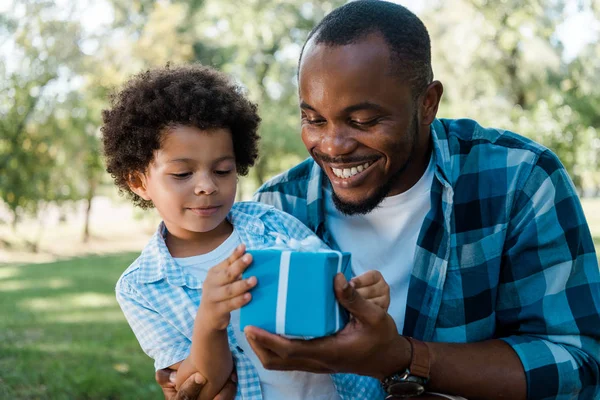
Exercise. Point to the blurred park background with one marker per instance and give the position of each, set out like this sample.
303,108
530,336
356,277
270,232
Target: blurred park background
531,66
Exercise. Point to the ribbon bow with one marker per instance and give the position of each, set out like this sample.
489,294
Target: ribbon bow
308,244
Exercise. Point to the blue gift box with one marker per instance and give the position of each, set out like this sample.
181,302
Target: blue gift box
294,295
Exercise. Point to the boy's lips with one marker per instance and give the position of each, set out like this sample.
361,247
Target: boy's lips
205,211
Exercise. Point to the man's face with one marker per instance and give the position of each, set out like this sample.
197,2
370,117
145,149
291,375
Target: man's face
359,122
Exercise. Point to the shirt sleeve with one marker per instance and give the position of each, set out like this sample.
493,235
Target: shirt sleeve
549,295
158,337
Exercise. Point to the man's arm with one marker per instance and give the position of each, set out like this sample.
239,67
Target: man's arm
370,345
548,315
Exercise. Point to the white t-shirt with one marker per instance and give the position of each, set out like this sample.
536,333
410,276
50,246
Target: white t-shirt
386,238
293,385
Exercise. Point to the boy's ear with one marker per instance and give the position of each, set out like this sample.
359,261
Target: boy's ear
137,184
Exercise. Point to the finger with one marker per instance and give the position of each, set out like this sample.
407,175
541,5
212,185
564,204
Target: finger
162,378
376,290
191,388
235,255
235,269
351,300
228,391
279,353
235,303
234,289
367,279
382,301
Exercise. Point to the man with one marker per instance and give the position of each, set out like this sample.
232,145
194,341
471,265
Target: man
494,281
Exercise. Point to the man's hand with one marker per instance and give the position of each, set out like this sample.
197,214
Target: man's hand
368,345
191,388
371,286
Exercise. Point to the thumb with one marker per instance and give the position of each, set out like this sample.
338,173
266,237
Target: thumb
349,298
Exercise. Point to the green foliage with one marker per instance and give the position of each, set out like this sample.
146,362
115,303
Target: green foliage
501,63
63,335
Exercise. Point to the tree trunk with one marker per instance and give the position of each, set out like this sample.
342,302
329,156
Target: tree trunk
88,211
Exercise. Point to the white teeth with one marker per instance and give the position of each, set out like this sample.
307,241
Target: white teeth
349,172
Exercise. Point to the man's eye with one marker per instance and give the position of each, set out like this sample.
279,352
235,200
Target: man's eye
364,123
182,175
314,121
223,172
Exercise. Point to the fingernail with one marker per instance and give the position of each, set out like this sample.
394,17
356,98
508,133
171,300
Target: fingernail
246,258
249,334
198,379
172,376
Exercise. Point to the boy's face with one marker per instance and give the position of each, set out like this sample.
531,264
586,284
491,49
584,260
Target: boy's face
192,180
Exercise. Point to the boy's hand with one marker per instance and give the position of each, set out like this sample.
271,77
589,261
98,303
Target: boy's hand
373,287
224,291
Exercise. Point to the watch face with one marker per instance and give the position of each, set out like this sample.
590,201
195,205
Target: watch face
406,389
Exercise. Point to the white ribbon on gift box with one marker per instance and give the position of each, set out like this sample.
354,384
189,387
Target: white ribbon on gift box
310,244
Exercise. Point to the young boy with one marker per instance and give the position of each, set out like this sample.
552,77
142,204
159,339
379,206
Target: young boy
176,139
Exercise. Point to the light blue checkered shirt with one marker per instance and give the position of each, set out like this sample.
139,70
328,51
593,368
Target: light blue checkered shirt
160,301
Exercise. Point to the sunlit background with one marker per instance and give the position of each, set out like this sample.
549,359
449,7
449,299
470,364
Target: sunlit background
65,233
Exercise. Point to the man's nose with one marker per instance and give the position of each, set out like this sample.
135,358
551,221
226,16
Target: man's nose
337,140
205,184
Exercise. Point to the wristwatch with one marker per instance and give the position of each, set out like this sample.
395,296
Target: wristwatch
412,381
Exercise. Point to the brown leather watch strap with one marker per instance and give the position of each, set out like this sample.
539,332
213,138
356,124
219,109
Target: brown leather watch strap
419,363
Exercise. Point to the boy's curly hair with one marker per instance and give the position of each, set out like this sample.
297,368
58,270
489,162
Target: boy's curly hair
157,99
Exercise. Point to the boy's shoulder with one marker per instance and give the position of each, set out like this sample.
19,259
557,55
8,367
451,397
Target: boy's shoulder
257,221
252,211
129,277
146,267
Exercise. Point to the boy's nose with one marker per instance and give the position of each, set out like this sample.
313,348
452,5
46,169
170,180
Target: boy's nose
205,186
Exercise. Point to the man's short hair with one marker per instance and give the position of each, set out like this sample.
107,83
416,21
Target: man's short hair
402,30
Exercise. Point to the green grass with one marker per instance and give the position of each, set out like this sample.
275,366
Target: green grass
63,336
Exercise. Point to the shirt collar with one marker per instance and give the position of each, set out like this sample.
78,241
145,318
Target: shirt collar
156,262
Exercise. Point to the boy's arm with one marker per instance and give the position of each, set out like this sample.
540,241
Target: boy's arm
222,292
210,356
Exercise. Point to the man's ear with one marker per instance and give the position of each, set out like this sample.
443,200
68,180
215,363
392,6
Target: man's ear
430,102
137,184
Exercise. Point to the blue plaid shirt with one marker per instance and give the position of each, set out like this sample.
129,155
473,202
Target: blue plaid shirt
160,301
505,252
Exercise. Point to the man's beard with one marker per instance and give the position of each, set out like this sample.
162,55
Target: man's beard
369,204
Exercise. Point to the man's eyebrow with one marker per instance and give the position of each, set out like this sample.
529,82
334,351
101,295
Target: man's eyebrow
365,105
307,106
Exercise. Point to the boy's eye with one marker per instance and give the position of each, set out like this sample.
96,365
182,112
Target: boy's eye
182,175
223,172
